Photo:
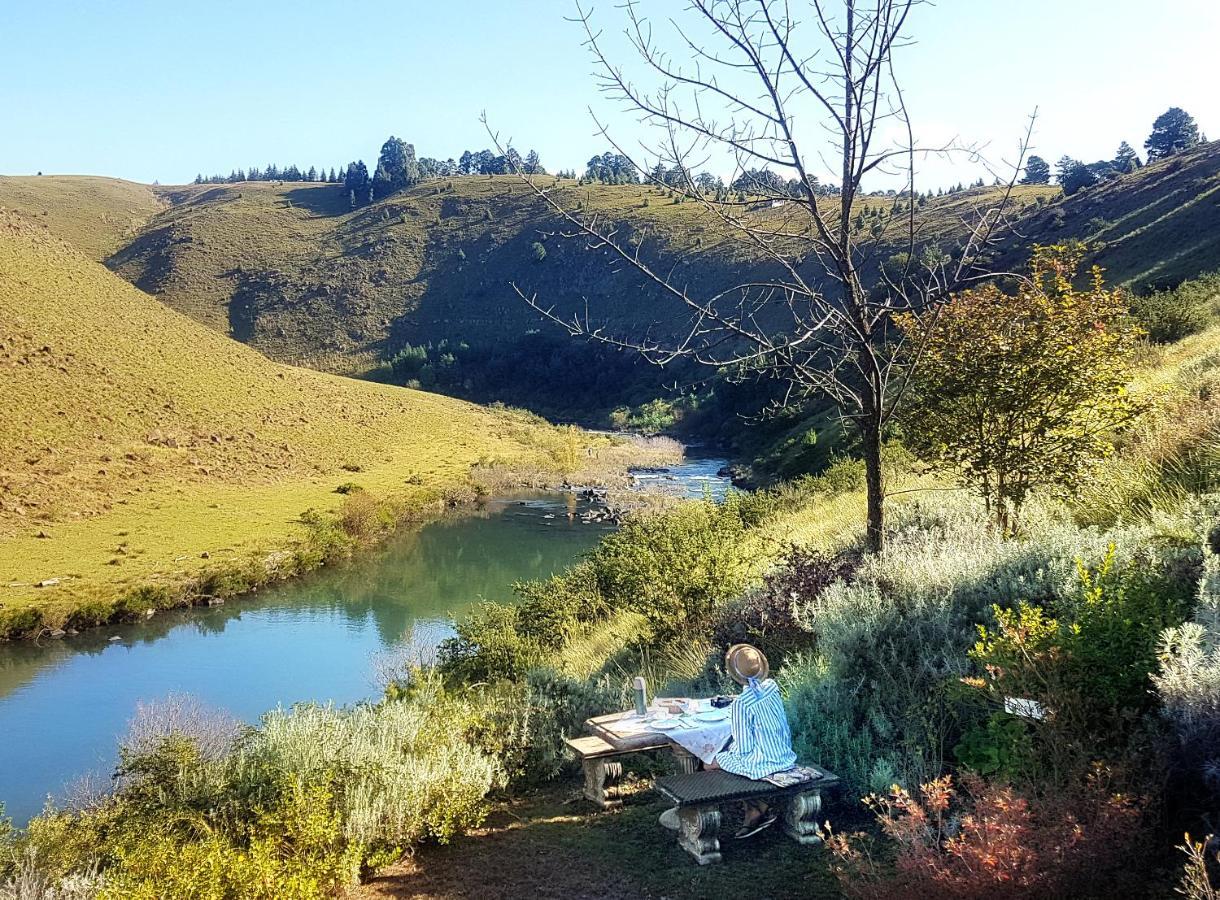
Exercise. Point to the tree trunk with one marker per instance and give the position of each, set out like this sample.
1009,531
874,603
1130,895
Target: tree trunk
870,440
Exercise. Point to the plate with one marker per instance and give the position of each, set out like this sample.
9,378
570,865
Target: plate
712,715
664,724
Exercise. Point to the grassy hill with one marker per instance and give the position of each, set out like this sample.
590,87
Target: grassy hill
1154,227
138,447
97,215
292,270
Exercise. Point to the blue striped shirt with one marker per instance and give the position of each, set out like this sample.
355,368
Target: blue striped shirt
762,741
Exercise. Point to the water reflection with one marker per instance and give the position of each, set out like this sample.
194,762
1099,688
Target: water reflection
63,704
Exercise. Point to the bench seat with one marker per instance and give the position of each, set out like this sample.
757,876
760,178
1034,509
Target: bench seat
699,796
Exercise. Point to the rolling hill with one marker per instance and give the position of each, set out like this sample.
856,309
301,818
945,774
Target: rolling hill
293,271
1155,227
96,215
135,443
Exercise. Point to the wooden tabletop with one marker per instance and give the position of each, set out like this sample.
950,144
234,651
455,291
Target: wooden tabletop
647,739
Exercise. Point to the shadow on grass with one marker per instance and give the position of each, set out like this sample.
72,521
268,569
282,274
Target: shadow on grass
321,200
552,844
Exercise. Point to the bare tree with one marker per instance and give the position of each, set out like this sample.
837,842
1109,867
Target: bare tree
816,311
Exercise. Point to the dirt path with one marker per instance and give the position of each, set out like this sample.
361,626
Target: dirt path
552,845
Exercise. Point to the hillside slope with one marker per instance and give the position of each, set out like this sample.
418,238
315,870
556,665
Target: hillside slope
96,215
1154,227
293,270
133,440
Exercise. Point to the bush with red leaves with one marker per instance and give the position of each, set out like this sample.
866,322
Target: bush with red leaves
975,839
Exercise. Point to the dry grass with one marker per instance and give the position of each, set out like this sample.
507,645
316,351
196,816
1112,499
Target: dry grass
96,215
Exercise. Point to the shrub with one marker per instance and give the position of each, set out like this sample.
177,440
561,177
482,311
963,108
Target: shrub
675,567
489,645
1169,316
1201,873
292,808
880,699
1188,683
1088,669
523,725
767,616
362,516
974,839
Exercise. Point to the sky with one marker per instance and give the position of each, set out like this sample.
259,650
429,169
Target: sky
149,90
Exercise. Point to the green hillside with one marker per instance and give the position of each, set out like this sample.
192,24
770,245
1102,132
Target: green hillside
1154,227
96,215
136,445
292,270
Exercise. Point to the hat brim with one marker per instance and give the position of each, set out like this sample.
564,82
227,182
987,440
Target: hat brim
730,665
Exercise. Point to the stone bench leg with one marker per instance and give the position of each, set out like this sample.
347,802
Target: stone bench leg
801,816
601,782
699,834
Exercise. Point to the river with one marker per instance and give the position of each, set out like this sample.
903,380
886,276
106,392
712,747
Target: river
64,704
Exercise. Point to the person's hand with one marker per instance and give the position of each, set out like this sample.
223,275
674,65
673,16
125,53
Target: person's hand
712,765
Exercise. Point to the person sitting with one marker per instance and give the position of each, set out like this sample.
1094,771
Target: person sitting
761,744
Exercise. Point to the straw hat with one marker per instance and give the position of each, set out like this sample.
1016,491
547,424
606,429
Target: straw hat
744,662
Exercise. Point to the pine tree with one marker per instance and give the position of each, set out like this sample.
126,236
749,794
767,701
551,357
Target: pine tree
312,174
1037,171
396,167
1126,159
1173,131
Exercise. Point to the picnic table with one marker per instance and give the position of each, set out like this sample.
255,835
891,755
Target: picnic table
692,738
697,796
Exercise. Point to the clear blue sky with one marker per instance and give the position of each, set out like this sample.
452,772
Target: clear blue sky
148,89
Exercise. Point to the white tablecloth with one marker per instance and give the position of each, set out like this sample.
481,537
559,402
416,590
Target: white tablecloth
703,739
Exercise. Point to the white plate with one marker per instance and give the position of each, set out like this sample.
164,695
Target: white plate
712,715
665,724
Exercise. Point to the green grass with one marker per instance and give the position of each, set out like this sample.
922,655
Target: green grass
138,447
552,844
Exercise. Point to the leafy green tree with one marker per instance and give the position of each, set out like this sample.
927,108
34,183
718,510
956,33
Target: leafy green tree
1126,159
533,164
1020,391
1173,131
1037,171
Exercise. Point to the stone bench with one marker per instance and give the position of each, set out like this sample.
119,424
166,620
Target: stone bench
602,769
699,796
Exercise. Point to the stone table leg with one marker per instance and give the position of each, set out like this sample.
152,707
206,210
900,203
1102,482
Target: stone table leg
801,817
699,834
686,761
601,782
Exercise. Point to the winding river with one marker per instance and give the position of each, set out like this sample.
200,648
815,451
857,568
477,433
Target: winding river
64,704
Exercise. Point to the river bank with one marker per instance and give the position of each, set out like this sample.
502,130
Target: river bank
168,548
321,637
